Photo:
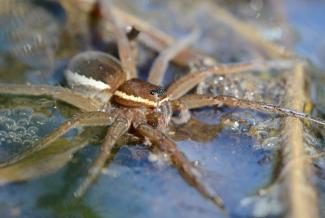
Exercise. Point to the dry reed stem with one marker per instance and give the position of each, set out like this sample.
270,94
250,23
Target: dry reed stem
300,193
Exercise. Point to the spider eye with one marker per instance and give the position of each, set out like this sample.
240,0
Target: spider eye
158,92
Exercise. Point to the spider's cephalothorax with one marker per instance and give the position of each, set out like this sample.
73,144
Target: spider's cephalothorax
100,76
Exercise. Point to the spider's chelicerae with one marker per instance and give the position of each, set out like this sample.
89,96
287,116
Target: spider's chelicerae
110,94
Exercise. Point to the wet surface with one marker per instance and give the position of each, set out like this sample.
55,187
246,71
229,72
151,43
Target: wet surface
238,160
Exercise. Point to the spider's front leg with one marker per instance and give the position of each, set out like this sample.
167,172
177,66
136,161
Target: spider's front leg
182,164
84,119
115,131
63,94
197,101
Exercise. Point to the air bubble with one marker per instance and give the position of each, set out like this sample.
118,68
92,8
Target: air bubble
20,130
27,136
32,130
10,123
35,138
23,122
38,120
2,134
11,135
27,143
19,135
17,140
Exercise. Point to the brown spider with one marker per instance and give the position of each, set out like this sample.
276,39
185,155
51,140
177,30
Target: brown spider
111,95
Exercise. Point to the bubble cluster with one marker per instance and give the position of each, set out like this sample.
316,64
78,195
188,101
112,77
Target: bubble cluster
19,129
245,86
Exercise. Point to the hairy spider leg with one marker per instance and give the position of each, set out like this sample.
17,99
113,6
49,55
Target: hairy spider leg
63,94
198,101
120,126
84,119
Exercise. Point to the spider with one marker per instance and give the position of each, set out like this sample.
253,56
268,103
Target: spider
109,93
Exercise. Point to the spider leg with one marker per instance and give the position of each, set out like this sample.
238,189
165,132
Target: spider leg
60,93
181,86
182,164
124,48
114,132
197,101
160,65
84,119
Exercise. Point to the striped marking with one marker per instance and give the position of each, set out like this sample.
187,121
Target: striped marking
76,78
139,99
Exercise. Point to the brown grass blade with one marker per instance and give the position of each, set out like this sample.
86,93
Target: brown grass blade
300,193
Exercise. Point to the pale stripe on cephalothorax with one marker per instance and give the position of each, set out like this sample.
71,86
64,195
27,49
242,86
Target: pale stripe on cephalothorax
75,78
139,99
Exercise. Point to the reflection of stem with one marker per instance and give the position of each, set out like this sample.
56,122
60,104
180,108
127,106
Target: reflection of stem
300,192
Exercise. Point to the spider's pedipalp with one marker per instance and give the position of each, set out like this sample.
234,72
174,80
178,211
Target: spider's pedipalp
183,113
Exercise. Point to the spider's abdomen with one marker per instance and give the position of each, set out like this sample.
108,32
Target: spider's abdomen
137,93
94,71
